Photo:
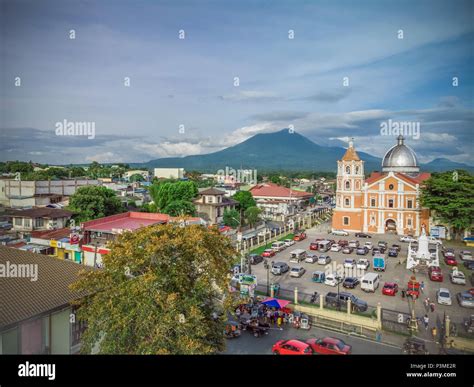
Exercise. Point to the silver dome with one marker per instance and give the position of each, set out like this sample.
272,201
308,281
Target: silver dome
400,158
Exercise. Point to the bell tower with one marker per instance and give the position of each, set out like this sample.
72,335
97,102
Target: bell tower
350,180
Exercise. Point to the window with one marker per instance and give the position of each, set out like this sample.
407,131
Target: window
77,329
390,187
27,223
39,222
18,221
347,202
345,220
409,222
357,170
348,185
210,199
390,203
357,185
348,170
409,203
372,202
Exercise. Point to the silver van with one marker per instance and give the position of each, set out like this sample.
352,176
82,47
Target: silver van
298,255
278,268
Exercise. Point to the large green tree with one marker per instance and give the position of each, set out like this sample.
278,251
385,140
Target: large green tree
450,197
231,218
165,193
252,215
157,293
245,200
180,207
92,202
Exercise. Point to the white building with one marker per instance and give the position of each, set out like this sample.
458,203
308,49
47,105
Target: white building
127,175
168,173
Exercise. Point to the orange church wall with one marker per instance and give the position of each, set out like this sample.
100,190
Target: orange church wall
355,220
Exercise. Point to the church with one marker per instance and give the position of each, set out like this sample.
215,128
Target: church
386,201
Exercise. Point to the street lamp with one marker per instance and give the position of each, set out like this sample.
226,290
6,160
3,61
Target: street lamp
267,267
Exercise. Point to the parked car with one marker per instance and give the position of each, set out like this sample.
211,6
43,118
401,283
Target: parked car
370,282
407,238
329,346
435,274
449,253
291,347
324,259
332,279
278,268
397,247
313,246
278,246
450,261
268,253
469,265
382,244
376,250
288,242
342,242
369,245
339,232
349,263
311,258
465,299
390,289
255,259
341,300
354,244
443,296
350,282
432,253
466,255
336,248
298,255
363,264
299,236
297,271
347,250
457,277
433,240
393,252
362,235
363,250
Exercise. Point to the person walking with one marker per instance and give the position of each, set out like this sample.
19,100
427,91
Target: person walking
279,322
426,321
422,286
432,307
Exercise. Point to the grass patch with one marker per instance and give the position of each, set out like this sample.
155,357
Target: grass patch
261,249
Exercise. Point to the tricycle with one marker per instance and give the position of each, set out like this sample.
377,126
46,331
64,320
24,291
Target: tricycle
232,330
414,346
255,327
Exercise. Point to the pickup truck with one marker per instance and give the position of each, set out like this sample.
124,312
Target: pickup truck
333,299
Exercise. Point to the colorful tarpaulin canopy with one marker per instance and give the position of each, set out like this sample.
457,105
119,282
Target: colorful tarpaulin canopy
275,302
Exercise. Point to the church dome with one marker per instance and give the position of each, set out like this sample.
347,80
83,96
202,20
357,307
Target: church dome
400,158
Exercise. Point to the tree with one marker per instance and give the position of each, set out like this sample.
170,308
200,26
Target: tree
231,218
136,177
180,207
92,202
166,192
449,196
252,214
157,293
245,200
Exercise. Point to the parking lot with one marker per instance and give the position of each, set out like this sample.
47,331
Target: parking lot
394,272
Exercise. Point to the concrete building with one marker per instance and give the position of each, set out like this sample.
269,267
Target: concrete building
386,201
211,204
22,194
44,218
168,173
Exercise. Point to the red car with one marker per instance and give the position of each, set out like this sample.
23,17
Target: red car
343,242
329,346
313,246
291,347
435,274
451,261
390,288
299,236
268,253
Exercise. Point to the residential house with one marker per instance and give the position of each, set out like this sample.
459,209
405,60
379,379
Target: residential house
211,204
41,218
35,308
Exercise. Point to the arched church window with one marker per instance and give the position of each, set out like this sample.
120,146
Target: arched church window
348,185
348,170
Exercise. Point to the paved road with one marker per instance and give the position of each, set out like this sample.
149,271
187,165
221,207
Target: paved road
248,344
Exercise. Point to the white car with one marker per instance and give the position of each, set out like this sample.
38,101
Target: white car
349,263
297,271
324,259
465,255
288,242
407,238
363,264
444,296
457,277
332,280
339,232
311,258
369,245
336,247
433,240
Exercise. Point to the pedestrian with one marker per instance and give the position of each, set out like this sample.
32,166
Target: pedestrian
432,307
426,321
434,332
269,316
422,287
279,322
426,302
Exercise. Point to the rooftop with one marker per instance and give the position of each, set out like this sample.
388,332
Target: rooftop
126,221
22,298
275,191
41,212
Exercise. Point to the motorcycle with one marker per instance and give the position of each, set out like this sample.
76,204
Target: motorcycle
314,297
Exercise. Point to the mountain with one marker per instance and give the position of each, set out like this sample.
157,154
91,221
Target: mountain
268,151
282,151
443,164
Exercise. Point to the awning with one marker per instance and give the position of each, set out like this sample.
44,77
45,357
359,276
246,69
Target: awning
275,302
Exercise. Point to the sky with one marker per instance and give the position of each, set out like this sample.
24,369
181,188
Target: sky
332,70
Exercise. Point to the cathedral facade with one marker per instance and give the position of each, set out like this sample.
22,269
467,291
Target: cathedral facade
386,201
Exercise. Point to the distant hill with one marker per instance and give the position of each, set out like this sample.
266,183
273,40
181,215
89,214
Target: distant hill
282,151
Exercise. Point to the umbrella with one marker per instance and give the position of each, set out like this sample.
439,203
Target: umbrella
275,302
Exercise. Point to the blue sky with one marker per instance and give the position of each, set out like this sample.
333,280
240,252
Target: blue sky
190,82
